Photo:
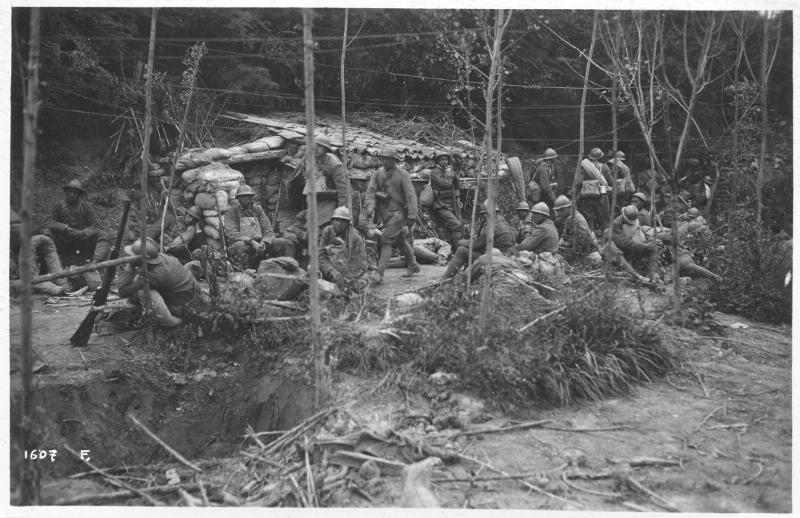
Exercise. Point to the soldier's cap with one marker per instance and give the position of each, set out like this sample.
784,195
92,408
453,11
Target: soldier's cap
75,185
151,249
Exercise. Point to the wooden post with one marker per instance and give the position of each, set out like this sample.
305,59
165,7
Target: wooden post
615,172
344,132
28,473
148,122
321,375
577,177
764,121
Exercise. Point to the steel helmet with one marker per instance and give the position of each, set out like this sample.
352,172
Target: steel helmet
523,206
640,196
541,208
195,212
595,153
693,212
630,213
324,141
75,185
341,213
441,152
390,152
245,190
549,154
619,156
151,250
562,202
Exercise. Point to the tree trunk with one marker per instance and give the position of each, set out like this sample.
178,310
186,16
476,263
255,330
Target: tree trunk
321,369
676,280
28,473
764,119
615,172
342,83
148,122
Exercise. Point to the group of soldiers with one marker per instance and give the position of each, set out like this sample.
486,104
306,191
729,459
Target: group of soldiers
547,227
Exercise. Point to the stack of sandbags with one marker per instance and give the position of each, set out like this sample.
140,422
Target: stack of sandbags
212,188
199,157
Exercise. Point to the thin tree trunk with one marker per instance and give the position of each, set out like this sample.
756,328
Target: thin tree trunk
616,167
342,82
29,475
321,377
577,177
764,120
676,280
148,122
491,165
179,148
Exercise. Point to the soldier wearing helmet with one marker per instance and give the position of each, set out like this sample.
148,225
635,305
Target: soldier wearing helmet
544,236
332,184
444,182
173,288
77,235
624,181
522,222
249,234
577,244
593,189
191,238
504,241
342,254
391,197
640,201
632,242
539,188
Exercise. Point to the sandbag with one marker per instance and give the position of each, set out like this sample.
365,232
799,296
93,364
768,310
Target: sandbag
222,200
220,173
205,201
236,150
241,280
212,232
217,153
210,213
213,221
193,187
189,176
191,159
273,141
256,147
214,243
278,282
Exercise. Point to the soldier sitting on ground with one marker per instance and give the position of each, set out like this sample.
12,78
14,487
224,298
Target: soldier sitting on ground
640,201
577,244
544,236
342,255
430,250
522,222
76,234
191,238
504,240
249,232
631,240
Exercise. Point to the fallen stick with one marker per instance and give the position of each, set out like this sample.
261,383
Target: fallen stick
123,493
758,473
521,426
483,479
263,320
636,507
167,447
645,461
87,268
528,283
284,304
261,459
725,426
581,430
656,498
706,418
114,480
301,498
588,491
523,482
554,312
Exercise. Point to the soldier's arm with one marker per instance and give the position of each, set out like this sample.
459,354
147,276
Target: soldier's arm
233,226
55,221
341,181
369,197
411,196
265,223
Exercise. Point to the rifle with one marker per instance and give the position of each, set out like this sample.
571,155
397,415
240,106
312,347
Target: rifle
81,336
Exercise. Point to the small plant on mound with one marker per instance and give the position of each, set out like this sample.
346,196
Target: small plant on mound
594,346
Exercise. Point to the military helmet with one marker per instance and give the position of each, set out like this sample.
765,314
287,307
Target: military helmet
324,141
630,213
245,190
693,212
151,250
75,185
595,154
523,206
640,196
390,152
549,154
541,208
619,156
341,213
562,202
195,212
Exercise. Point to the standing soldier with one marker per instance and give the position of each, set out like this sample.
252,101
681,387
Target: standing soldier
391,195
593,191
444,182
333,186
538,189
623,181
76,234
249,232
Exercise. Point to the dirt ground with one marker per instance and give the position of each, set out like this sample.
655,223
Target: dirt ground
713,436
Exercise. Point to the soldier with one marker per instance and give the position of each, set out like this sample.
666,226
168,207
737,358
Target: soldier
444,182
577,243
593,191
341,250
504,240
631,240
191,238
332,185
173,288
623,182
391,196
523,222
538,188
76,234
640,201
249,233
544,236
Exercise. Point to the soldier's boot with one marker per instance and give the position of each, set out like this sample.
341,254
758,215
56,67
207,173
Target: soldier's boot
383,262
411,260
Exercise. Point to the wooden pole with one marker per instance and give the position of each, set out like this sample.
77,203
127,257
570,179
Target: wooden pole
491,166
28,473
321,377
83,269
577,177
764,121
342,83
148,121
615,172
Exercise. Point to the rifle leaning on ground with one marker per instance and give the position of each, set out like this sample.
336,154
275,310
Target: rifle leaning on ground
81,336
